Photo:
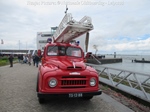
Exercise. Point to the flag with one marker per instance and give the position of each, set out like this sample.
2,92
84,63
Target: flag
2,42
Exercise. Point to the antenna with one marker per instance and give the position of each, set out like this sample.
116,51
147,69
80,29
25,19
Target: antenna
66,9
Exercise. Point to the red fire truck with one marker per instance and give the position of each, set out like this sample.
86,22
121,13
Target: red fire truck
62,72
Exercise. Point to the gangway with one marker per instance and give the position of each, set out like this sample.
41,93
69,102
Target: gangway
134,83
70,29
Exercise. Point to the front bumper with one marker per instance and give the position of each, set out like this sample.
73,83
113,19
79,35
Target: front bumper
69,95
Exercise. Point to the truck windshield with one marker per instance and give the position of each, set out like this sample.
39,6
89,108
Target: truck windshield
73,51
63,51
56,51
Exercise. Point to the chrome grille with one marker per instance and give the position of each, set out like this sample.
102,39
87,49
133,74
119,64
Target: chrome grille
73,82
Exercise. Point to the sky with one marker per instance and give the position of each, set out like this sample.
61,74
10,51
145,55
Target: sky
121,26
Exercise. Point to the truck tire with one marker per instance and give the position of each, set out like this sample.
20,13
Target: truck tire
41,100
37,83
87,97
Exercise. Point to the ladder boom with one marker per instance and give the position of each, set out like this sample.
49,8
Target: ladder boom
70,29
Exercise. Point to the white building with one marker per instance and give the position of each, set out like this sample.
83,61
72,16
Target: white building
43,36
42,39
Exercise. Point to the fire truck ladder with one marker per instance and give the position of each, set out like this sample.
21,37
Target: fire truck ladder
70,29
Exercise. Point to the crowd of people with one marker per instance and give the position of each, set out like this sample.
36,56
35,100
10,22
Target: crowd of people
25,59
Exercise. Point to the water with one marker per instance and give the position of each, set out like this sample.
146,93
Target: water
127,63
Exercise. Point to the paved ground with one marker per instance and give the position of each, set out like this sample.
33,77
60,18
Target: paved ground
18,94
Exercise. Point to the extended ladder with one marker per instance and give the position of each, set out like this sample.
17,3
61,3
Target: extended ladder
70,29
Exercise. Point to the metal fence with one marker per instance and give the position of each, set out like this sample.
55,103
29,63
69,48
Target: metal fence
134,83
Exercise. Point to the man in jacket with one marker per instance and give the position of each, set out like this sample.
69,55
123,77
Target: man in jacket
11,60
37,59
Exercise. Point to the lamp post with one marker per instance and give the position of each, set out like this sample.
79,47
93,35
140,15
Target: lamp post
19,44
2,42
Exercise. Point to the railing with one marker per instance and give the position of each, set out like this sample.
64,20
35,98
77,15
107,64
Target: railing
95,58
134,83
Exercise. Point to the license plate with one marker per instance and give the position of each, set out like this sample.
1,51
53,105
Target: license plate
75,95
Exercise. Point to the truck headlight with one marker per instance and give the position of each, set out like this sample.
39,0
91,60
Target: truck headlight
53,82
92,82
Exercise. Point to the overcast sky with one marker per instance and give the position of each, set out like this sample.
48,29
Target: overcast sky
121,26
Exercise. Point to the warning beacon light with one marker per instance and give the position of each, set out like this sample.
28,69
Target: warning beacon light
49,40
77,43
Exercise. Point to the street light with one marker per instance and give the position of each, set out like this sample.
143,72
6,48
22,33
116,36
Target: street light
19,44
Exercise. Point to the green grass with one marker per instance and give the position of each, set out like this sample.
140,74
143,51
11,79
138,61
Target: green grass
4,61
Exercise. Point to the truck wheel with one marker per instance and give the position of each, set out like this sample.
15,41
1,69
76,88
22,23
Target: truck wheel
37,83
37,87
87,97
41,100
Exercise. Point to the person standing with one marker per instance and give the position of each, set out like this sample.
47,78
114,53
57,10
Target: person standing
11,60
33,58
29,59
37,59
24,58
21,58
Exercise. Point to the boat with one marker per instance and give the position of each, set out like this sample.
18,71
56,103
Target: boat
141,61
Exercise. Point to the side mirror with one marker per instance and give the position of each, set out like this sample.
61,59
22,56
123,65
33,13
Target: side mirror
85,60
43,60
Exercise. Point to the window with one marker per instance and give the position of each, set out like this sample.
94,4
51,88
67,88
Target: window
62,51
46,35
52,50
72,51
42,41
43,48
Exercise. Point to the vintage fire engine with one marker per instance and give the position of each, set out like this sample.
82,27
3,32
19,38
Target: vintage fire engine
62,72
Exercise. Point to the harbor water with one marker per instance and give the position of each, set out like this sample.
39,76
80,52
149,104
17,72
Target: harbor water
127,63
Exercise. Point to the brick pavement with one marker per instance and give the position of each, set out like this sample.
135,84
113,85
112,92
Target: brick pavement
18,94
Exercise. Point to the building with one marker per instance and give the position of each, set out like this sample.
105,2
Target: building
42,39
43,36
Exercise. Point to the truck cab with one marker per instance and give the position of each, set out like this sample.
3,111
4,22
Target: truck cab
63,73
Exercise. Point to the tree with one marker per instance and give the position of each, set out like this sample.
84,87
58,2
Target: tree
96,48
